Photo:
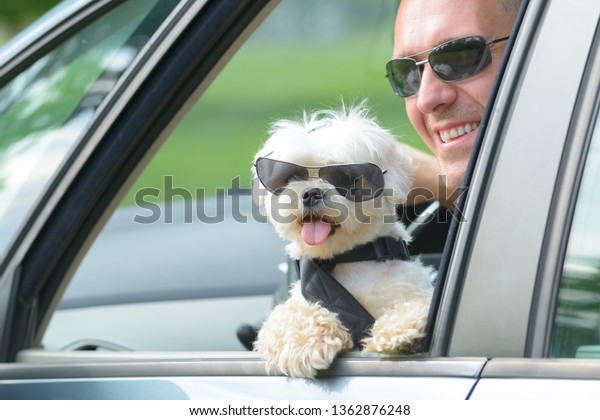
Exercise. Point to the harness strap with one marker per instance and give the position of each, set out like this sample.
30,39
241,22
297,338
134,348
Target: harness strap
318,285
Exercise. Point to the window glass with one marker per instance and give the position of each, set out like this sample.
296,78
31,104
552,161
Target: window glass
187,262
45,109
577,329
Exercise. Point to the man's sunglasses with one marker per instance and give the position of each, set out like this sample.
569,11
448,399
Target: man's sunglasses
356,182
451,61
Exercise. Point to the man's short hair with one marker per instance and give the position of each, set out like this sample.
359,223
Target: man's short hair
506,6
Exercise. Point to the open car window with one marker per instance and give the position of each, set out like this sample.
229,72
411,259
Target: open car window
187,262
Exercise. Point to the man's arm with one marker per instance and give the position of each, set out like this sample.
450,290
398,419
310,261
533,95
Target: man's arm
427,183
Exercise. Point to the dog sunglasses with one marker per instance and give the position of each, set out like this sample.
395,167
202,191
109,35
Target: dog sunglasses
356,182
451,61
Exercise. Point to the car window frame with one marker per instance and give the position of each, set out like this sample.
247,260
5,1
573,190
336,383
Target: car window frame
451,297
57,277
59,272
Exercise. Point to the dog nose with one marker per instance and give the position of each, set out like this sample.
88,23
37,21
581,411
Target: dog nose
312,197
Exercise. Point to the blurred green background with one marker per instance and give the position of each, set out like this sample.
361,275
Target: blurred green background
307,55
14,15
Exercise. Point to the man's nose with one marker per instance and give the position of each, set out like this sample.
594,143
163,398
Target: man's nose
434,94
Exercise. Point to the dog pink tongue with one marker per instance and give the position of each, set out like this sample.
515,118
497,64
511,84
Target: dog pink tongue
314,232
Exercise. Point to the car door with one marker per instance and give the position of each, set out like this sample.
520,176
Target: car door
486,335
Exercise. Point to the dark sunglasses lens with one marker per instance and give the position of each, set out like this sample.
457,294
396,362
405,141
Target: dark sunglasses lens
460,59
404,76
275,175
358,182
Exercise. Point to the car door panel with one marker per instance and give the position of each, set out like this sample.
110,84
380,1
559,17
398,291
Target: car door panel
235,375
539,379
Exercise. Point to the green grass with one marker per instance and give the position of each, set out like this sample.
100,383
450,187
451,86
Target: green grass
216,141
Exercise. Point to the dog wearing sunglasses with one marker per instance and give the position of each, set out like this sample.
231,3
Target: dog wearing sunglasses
330,185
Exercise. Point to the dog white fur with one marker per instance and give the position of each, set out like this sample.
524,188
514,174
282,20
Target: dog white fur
300,338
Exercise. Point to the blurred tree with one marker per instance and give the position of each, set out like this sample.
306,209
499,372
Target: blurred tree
16,14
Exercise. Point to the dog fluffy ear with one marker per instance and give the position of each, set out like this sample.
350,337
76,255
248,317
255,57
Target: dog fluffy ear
399,175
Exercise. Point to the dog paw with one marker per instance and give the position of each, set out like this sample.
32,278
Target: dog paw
395,336
392,342
299,339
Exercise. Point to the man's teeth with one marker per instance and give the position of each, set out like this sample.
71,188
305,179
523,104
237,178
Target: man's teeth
448,136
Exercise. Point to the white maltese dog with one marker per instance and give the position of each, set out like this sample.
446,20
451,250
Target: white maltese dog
333,183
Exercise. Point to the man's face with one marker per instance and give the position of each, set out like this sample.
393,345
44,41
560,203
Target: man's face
440,107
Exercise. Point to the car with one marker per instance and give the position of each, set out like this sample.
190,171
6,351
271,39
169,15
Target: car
102,301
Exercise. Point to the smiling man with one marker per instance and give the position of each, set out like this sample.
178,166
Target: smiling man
446,56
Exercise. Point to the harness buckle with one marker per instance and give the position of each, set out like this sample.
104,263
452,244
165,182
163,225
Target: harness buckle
388,248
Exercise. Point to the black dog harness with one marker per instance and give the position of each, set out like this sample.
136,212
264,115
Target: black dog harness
318,285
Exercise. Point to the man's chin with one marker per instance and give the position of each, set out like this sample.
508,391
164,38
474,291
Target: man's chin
450,189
